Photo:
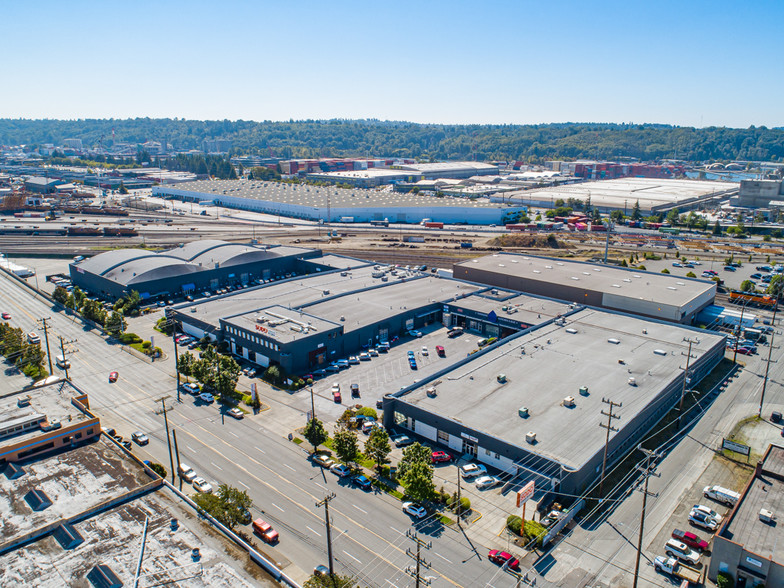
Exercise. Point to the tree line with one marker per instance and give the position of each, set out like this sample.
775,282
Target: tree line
339,137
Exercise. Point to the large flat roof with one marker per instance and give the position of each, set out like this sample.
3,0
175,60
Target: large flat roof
610,279
764,491
371,306
518,307
623,193
316,196
576,354
282,324
85,477
292,293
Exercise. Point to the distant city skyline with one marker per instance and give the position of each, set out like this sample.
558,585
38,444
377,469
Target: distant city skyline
689,64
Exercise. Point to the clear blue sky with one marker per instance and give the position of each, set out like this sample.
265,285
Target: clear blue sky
689,63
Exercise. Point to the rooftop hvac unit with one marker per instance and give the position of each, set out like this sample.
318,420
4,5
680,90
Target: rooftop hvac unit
530,437
571,331
522,412
632,382
614,341
659,352
431,392
766,516
568,402
583,390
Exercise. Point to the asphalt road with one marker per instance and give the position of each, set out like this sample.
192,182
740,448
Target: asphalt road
369,529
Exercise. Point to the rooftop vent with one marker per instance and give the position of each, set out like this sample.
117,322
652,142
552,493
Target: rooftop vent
632,382
37,500
23,401
13,471
583,390
522,412
571,331
68,536
431,392
568,402
659,352
102,576
530,437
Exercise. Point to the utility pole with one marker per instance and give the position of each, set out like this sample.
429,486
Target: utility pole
45,327
177,453
62,351
168,439
686,378
767,363
420,563
325,503
312,405
609,426
737,337
647,470
173,324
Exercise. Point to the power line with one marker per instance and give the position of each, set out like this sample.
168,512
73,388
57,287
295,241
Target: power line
650,465
609,426
325,503
686,378
45,327
420,563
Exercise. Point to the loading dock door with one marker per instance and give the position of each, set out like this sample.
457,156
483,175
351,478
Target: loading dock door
469,447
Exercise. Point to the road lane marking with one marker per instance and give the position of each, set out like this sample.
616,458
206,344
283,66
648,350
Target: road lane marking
288,466
191,449
313,531
390,583
397,531
260,449
321,485
244,484
235,434
351,556
362,509
216,465
442,557
276,506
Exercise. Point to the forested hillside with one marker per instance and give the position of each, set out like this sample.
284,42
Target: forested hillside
331,138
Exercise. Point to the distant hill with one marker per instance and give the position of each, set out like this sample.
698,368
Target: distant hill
334,138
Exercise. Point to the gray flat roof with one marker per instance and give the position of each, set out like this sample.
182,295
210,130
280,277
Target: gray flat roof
471,395
52,401
316,196
766,492
618,281
519,307
396,297
294,292
339,261
282,324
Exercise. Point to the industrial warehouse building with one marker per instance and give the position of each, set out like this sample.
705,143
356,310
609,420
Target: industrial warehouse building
307,322
193,267
332,204
654,195
749,546
658,296
413,172
530,405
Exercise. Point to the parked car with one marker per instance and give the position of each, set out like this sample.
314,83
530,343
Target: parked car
191,388
235,413
678,549
202,485
425,352
503,558
140,438
6,316
729,268
414,510
677,264
472,470
355,390
340,469
324,460
113,377
373,352
440,351
440,457
336,393
690,539
401,440
264,530
362,481
353,360
485,482
206,397
704,520
364,356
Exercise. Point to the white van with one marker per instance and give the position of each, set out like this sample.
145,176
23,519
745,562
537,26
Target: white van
33,338
722,495
186,472
62,362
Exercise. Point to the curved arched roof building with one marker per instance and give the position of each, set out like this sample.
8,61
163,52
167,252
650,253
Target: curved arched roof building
196,266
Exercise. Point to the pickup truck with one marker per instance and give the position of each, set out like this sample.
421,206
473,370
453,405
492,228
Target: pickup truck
671,566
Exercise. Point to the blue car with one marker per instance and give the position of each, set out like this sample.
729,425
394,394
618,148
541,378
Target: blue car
411,355
362,482
412,364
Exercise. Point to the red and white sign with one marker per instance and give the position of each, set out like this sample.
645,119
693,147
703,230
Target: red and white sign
525,493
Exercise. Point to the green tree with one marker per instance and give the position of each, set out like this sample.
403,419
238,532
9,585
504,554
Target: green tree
158,469
716,228
327,581
315,433
691,275
122,189
229,505
616,216
636,214
93,310
60,295
227,372
377,448
747,286
673,217
116,324
185,363
131,304
412,454
665,271
346,445
776,285
418,481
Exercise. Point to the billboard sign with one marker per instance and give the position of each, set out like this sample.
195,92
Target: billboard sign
525,493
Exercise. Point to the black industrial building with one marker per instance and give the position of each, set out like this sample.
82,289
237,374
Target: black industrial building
191,268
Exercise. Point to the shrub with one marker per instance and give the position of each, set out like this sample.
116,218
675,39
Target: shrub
724,580
513,523
158,469
146,344
368,411
665,271
534,530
